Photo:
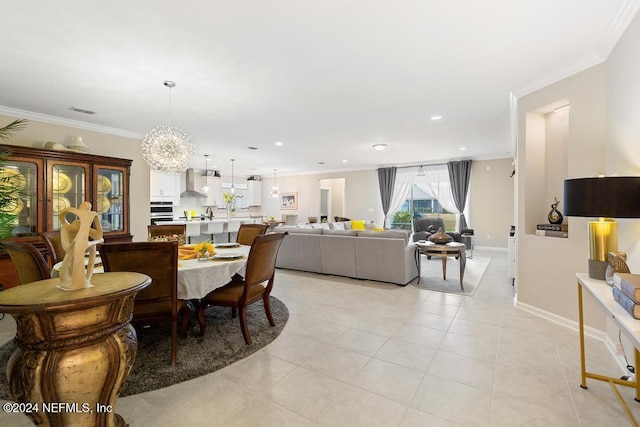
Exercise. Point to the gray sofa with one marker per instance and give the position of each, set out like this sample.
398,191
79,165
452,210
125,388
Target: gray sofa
385,256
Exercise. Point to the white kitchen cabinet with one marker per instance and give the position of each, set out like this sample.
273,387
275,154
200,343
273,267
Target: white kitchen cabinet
214,195
164,187
254,193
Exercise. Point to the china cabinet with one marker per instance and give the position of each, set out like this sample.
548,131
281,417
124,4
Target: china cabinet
49,181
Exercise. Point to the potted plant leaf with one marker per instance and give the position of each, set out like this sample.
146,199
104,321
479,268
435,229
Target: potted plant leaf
9,194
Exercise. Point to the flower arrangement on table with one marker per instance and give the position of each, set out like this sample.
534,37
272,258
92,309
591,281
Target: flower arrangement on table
204,250
230,201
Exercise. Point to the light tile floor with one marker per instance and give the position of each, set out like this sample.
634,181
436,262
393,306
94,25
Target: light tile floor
361,353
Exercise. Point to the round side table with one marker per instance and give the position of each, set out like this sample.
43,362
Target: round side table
75,348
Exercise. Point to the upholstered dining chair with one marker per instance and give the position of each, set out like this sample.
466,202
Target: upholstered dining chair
28,261
248,232
159,301
261,266
54,244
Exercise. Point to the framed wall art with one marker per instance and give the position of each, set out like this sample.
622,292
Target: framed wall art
288,200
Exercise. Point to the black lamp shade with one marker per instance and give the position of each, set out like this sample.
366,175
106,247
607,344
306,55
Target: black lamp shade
607,197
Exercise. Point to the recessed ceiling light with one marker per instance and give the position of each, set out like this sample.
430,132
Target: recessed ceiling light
379,147
345,161
463,148
436,117
279,143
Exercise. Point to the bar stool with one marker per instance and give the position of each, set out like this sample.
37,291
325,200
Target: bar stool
193,230
232,227
213,228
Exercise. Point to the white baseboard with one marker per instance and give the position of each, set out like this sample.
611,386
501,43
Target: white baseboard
588,331
490,248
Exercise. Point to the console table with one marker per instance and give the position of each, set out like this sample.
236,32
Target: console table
603,295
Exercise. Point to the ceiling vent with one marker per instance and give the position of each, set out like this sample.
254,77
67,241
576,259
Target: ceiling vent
81,110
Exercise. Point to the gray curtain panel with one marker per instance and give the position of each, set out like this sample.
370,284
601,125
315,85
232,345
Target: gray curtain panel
459,176
386,180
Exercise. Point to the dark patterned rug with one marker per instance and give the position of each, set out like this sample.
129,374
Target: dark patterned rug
221,345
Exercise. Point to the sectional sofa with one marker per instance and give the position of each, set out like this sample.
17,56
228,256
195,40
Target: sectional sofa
384,256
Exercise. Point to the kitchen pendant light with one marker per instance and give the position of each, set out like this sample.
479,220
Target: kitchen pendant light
233,188
274,190
205,187
168,148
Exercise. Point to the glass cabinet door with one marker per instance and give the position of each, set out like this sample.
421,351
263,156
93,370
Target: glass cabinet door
19,185
109,183
68,187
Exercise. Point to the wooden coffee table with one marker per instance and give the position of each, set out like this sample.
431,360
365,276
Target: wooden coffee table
443,251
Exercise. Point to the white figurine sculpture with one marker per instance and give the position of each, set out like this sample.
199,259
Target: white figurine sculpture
78,238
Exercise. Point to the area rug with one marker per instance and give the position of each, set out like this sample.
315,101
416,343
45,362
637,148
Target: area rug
221,345
431,275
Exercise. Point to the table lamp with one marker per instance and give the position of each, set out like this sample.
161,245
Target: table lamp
605,198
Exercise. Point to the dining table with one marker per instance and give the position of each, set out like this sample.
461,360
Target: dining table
197,278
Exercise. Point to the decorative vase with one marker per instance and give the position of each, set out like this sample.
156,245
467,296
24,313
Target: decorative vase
555,217
203,256
440,237
228,212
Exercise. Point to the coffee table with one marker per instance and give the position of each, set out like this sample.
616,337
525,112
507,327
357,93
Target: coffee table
443,251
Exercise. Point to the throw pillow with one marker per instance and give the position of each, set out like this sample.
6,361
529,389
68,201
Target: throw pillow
358,225
338,225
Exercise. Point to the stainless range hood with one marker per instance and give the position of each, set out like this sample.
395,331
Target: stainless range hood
191,186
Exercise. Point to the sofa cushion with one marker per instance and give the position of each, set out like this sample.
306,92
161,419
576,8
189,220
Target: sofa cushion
298,230
340,232
388,234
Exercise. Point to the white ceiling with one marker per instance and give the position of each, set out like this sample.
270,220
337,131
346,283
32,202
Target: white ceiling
328,78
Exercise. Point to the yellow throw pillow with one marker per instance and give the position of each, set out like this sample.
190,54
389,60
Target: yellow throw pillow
378,229
358,225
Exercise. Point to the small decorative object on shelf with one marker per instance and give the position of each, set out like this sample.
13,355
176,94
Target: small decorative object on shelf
617,264
313,219
440,237
555,217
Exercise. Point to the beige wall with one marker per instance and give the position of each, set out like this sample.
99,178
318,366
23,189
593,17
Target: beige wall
491,201
547,265
37,133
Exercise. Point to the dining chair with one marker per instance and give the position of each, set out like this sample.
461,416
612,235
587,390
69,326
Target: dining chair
54,243
28,261
248,232
260,268
214,228
159,301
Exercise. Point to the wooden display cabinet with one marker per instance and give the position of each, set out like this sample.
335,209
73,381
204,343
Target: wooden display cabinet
50,181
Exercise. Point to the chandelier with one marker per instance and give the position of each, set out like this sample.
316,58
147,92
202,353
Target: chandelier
168,148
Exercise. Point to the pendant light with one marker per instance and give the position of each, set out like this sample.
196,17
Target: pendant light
205,187
233,189
274,190
168,148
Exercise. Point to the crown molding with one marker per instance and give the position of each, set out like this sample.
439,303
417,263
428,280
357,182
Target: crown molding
626,14
14,112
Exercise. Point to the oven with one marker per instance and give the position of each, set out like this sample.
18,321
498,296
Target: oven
161,211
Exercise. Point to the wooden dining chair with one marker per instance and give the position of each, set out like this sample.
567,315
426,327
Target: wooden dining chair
28,261
261,266
159,301
248,232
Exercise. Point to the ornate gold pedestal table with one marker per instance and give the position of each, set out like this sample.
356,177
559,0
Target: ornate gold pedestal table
75,348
